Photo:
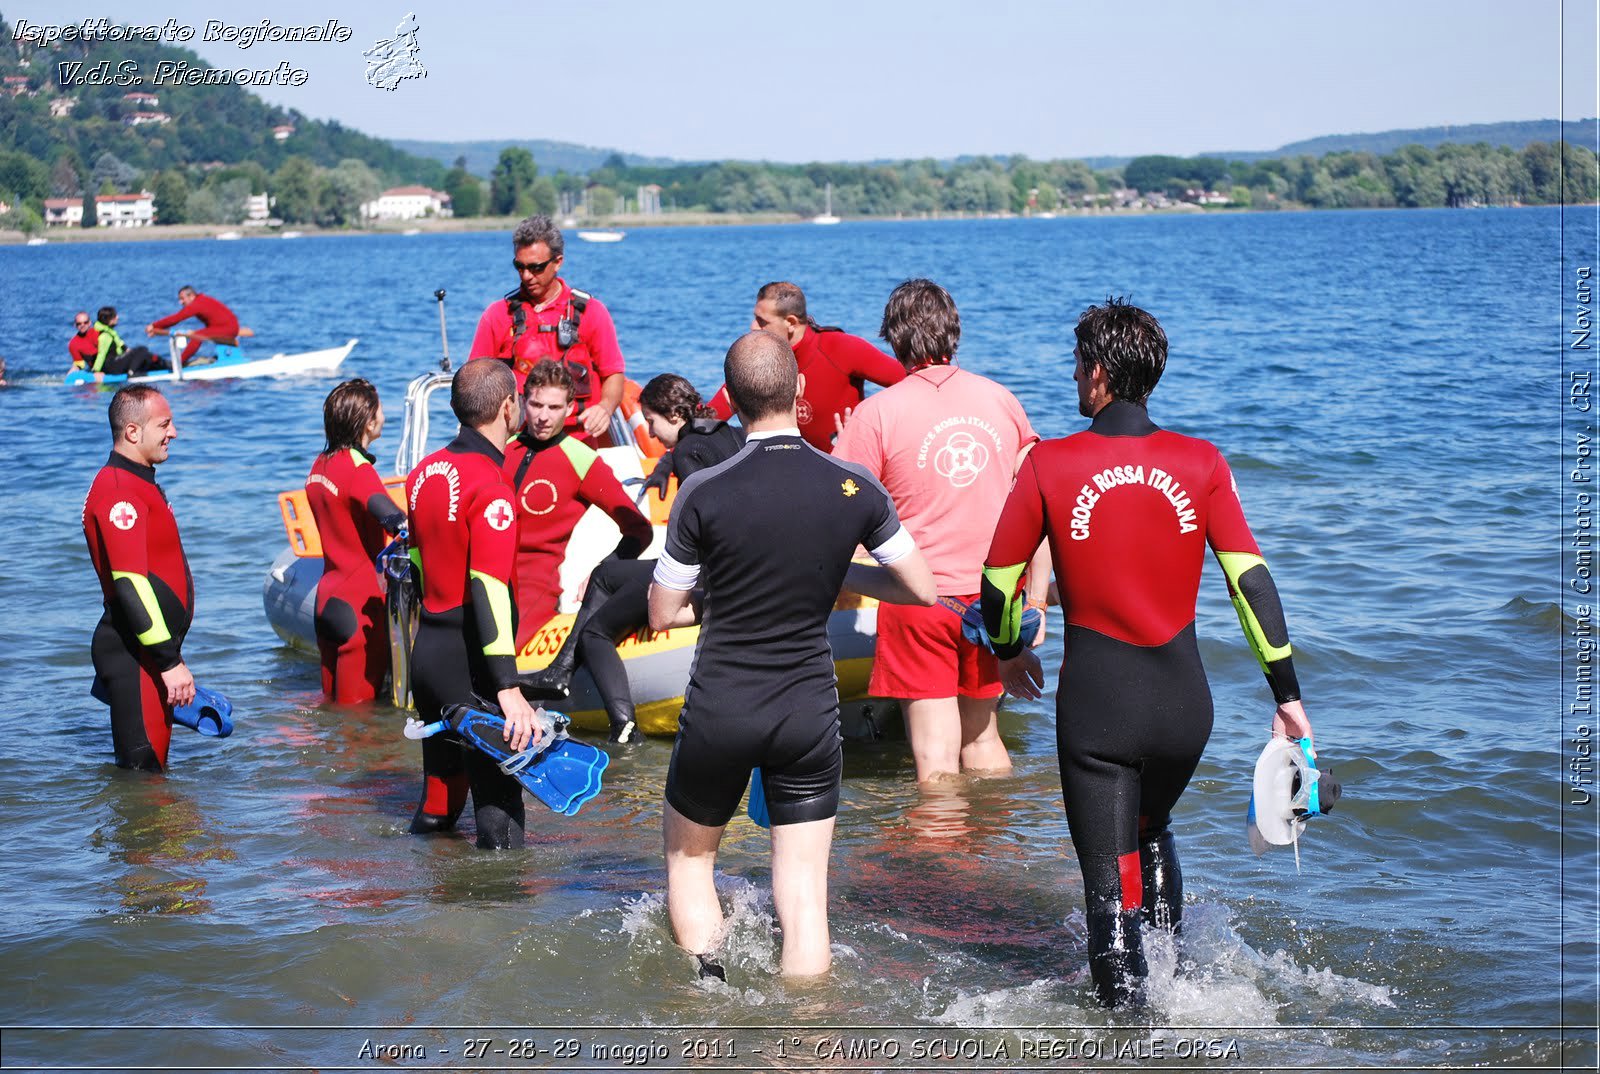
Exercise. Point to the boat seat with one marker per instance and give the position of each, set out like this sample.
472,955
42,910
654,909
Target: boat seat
301,527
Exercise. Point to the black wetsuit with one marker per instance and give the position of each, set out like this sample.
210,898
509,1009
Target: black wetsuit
1133,709
464,539
770,534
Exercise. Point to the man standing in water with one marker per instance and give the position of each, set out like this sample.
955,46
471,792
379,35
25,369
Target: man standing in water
546,318
946,443
144,580
463,539
769,534
1133,709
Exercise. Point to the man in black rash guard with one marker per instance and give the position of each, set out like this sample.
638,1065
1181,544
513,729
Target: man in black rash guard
1133,709
770,534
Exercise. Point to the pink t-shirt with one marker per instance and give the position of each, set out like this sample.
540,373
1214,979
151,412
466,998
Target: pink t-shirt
944,442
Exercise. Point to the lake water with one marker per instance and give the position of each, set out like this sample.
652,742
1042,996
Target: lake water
1389,389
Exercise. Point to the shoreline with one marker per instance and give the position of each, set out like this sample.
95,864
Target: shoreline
436,226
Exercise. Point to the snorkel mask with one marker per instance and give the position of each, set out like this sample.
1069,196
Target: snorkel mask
1288,791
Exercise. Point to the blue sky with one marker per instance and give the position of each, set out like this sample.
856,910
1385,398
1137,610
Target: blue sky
837,80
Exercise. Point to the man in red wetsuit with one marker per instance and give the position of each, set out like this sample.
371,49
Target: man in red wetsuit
556,479
218,323
463,542
834,365
546,318
84,346
354,515
144,580
1128,509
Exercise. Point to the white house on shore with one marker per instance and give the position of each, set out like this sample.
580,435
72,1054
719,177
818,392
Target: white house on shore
407,203
63,212
110,210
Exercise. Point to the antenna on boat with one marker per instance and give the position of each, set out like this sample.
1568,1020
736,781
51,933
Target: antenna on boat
444,337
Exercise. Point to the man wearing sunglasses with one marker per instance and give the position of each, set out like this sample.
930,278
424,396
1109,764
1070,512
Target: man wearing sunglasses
545,318
84,346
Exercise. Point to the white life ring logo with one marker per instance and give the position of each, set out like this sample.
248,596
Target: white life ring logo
542,492
498,515
961,459
123,515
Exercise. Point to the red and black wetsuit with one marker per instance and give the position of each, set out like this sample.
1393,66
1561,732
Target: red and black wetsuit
556,481
149,602
84,348
463,541
836,366
1129,509
219,323
352,510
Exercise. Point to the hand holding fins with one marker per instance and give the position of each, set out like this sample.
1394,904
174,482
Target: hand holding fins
561,773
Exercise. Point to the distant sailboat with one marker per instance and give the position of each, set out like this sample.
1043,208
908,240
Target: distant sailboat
827,216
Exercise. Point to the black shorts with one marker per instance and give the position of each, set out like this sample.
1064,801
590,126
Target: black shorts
801,758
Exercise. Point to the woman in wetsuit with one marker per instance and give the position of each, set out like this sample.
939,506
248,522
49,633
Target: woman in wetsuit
614,604
354,517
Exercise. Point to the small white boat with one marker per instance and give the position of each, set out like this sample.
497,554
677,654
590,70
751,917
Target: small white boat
290,235
602,236
228,236
826,216
412,231
1044,216
233,363
36,241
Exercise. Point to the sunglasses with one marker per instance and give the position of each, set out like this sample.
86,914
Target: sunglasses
81,324
534,267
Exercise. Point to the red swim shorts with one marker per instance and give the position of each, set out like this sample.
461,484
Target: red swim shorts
921,654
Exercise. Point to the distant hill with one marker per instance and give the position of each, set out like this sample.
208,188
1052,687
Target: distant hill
1515,135
149,128
581,159
549,156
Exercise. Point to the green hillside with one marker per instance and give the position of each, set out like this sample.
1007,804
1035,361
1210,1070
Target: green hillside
60,141
480,157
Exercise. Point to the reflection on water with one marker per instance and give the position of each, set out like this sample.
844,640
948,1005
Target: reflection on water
156,831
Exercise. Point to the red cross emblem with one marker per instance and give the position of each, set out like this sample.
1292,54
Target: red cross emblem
123,515
498,514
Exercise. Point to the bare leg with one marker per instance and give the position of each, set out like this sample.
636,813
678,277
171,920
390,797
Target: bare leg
934,726
691,852
981,747
800,893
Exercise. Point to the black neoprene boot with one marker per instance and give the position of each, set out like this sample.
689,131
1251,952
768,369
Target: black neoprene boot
623,729
1162,881
1116,957
554,681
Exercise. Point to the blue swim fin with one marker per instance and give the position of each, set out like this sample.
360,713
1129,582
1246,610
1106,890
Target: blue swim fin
756,808
209,713
561,773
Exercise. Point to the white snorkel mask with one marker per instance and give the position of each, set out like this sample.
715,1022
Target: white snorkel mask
1288,791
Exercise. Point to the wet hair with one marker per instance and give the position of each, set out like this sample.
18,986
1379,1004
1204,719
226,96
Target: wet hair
346,413
790,301
1127,343
479,388
548,374
105,314
761,375
129,406
538,228
673,397
921,324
